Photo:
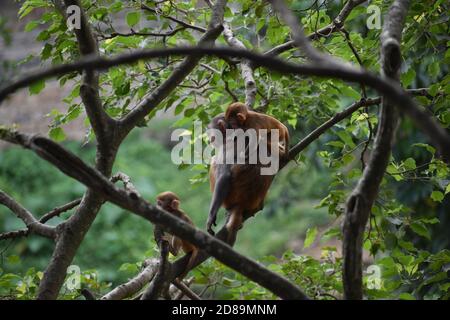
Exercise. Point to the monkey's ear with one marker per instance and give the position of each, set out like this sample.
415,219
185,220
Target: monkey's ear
175,204
241,117
221,125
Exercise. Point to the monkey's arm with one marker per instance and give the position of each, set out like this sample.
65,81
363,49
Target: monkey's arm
221,189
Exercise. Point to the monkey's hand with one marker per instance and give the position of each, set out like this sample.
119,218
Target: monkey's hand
211,222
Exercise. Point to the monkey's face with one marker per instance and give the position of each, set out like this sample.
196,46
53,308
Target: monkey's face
168,201
237,121
219,124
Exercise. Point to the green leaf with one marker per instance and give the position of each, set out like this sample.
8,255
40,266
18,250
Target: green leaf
13,259
434,69
31,26
433,220
429,148
437,196
447,190
189,112
408,77
346,137
37,87
57,134
311,235
410,163
406,296
133,18
350,92
420,229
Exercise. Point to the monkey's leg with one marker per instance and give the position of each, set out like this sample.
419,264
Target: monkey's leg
190,264
175,245
221,191
233,225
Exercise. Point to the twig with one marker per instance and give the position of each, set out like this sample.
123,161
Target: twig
46,217
27,217
180,22
140,33
337,23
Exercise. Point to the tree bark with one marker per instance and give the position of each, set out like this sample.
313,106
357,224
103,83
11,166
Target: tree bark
360,202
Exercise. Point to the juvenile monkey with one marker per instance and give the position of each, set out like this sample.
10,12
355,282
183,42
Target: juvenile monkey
170,202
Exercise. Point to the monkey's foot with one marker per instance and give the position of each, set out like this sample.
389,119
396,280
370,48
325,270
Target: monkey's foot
211,222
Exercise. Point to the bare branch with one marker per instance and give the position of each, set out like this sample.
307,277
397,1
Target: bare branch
74,167
300,40
30,221
46,217
186,290
135,284
160,284
58,210
141,33
89,90
314,135
128,185
337,23
360,202
246,68
180,22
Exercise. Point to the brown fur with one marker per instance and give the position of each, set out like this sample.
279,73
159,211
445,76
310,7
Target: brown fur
170,202
248,188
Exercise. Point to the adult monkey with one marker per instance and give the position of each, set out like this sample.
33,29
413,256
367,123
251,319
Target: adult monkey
241,188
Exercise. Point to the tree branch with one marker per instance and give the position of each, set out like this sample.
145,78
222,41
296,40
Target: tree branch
337,23
30,221
246,68
128,185
135,284
160,285
180,22
46,217
185,290
140,33
388,88
89,90
360,202
314,135
300,40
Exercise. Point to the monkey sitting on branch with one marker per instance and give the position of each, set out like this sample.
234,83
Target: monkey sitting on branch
241,188
170,202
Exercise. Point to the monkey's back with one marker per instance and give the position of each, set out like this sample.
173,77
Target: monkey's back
248,189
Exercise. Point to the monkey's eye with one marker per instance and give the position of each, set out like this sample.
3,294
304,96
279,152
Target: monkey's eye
159,203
